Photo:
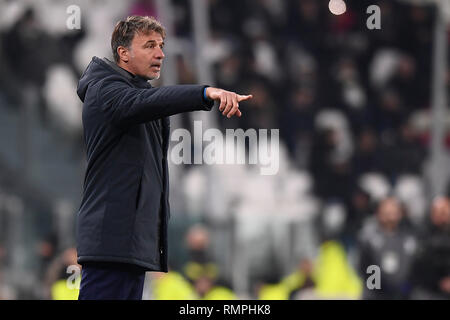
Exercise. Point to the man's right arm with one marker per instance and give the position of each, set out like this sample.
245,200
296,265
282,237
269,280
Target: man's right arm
125,105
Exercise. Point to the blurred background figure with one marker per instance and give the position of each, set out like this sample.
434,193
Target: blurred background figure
167,286
360,153
197,242
208,288
387,242
62,269
433,262
301,283
201,271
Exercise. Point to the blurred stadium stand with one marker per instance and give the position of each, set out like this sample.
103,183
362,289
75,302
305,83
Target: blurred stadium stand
355,113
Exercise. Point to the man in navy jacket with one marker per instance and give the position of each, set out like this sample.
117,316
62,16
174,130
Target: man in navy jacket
122,220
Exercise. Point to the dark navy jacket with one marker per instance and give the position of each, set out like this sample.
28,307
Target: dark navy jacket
124,210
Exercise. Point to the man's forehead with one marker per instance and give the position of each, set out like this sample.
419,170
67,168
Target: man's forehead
150,36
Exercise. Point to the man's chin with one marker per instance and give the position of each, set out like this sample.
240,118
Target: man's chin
153,76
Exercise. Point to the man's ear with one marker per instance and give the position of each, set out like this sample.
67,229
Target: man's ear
123,53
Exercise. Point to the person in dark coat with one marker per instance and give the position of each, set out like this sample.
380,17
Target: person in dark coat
386,241
122,220
432,267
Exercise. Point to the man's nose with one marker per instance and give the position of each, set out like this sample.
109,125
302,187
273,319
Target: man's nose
160,54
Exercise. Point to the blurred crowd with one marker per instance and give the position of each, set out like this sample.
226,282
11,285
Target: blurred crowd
353,108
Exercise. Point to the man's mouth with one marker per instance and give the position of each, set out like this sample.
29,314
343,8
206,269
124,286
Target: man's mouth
156,66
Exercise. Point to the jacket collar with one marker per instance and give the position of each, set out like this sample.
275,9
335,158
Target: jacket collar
128,75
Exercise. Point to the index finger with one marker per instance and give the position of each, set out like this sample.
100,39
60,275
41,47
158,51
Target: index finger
244,97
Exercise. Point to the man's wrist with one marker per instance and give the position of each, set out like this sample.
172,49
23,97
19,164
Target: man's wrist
208,102
204,94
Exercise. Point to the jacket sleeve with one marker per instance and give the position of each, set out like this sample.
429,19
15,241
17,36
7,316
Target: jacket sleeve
125,105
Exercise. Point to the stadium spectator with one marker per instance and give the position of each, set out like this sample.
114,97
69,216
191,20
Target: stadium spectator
57,276
20,45
385,242
432,273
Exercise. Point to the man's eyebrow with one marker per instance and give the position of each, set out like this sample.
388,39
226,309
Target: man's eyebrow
153,41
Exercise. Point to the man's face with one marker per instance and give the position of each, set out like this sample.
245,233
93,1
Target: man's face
389,214
440,212
146,55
